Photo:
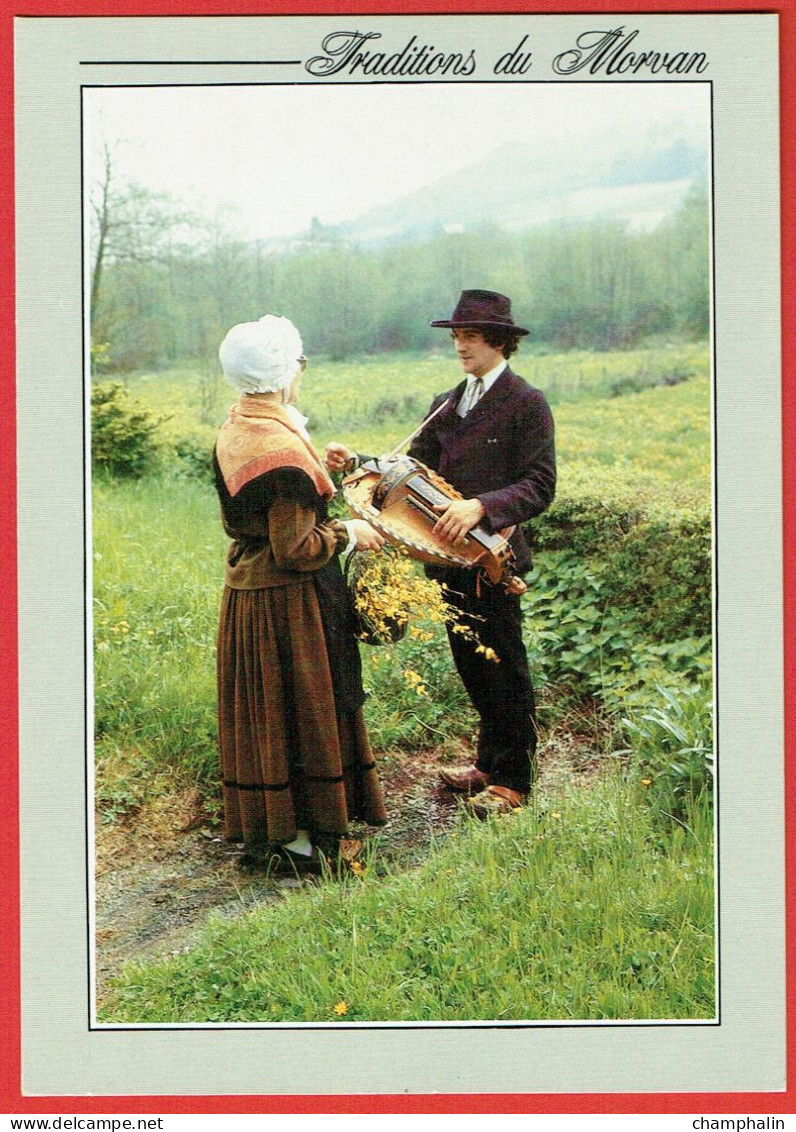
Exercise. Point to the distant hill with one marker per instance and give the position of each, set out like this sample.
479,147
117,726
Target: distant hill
524,184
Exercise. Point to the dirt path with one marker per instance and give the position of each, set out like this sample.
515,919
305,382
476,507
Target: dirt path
162,872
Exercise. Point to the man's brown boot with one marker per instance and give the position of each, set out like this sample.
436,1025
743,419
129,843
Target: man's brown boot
466,780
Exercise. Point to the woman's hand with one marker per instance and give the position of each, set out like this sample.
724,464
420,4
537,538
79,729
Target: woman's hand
368,538
337,456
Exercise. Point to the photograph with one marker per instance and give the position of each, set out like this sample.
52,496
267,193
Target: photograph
284,282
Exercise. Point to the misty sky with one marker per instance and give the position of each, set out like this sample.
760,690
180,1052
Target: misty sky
279,155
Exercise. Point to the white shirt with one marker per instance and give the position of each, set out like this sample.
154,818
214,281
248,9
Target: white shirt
488,381
298,419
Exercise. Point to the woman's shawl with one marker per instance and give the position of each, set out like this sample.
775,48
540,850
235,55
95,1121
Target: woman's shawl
259,436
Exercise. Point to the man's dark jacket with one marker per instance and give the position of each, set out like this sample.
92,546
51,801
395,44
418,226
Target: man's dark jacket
502,452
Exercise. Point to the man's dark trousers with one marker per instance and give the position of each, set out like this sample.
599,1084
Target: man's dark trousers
500,691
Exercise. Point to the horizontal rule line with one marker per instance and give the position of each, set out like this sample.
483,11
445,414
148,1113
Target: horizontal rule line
190,63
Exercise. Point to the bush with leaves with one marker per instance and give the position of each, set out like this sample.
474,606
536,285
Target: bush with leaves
187,449
620,615
620,598
123,433
623,555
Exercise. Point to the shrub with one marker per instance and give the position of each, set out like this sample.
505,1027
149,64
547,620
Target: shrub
100,357
645,546
123,432
194,458
620,598
598,918
188,450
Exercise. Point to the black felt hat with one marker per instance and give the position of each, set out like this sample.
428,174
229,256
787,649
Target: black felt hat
482,308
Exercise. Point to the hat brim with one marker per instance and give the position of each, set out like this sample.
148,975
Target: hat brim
477,322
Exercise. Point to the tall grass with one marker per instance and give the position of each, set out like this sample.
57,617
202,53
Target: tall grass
157,562
574,911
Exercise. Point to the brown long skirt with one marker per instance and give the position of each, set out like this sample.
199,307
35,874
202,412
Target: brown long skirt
290,758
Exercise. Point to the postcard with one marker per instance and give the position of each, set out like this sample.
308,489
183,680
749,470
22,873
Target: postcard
585,205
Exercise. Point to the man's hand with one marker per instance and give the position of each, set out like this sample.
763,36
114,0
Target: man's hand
457,518
337,456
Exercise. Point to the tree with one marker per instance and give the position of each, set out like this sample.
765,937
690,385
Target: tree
136,234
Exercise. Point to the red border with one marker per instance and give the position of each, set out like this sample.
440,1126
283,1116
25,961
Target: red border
11,1100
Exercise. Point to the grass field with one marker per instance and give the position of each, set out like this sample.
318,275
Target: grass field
372,403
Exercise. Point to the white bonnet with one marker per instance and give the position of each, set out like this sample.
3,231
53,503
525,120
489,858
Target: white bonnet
262,356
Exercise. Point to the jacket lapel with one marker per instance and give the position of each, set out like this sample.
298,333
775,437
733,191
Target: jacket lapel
449,418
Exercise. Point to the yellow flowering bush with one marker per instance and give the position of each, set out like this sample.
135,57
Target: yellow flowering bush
391,596
389,593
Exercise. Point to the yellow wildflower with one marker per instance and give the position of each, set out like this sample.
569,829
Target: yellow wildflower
341,1008
415,681
390,594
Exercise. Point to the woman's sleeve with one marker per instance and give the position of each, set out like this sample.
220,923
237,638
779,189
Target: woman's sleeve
298,540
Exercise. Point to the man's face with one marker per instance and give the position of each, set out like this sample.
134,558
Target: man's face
475,354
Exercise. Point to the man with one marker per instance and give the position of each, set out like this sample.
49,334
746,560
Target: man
494,443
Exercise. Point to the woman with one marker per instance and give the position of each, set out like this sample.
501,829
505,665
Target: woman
295,759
